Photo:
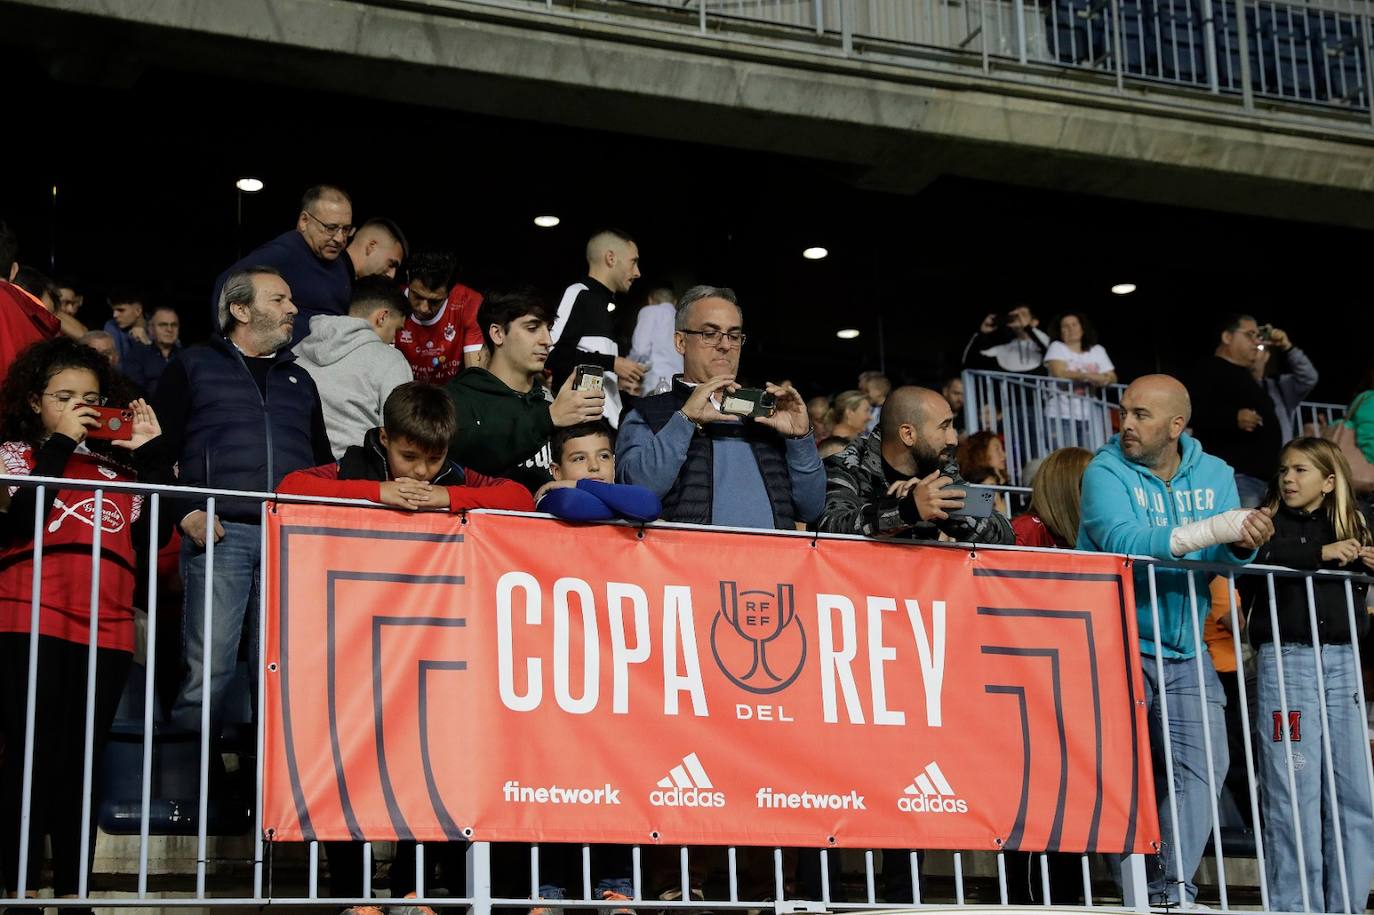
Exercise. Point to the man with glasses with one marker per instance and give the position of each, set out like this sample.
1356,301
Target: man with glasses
308,258
711,467
146,364
1233,415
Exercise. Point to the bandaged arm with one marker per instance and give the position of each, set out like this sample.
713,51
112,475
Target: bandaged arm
1226,527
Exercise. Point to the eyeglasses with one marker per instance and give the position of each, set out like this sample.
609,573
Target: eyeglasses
63,397
332,228
712,337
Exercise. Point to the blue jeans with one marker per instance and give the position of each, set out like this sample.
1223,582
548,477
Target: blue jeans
1252,490
235,594
1191,789
1316,824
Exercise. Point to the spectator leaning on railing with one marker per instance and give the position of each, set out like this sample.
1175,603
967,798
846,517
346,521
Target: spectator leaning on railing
1076,355
239,414
1152,491
46,418
709,467
1010,342
1318,524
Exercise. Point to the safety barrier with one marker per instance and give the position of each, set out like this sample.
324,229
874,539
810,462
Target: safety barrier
731,878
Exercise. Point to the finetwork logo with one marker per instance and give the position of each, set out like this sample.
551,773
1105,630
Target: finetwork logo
687,785
512,792
771,799
930,792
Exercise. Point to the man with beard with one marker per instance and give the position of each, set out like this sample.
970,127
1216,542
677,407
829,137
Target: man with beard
1152,491
238,413
901,479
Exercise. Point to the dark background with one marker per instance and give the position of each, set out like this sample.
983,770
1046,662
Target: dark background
144,170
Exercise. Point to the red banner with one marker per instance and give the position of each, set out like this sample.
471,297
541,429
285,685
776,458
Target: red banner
513,678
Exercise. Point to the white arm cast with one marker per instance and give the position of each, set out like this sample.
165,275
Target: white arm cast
1226,527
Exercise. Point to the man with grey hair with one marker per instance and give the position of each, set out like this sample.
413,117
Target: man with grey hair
308,257
583,332
240,414
709,466
103,342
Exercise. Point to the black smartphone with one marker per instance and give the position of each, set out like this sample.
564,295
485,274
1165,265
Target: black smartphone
750,402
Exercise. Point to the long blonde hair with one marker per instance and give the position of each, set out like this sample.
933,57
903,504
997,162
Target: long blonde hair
1057,491
841,404
1341,506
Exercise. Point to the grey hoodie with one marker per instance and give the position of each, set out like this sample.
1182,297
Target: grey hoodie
355,372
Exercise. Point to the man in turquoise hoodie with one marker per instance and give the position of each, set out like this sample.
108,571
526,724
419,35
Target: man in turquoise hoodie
1152,491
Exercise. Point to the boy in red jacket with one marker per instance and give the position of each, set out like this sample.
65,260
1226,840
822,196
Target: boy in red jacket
405,463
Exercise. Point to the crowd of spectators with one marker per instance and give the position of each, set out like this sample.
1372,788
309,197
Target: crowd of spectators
343,363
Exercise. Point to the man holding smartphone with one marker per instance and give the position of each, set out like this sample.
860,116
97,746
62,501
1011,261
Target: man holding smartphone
901,480
714,452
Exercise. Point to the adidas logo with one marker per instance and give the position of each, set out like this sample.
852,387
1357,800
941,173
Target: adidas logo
930,792
687,785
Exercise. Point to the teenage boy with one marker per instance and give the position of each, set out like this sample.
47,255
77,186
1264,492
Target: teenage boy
405,464
584,487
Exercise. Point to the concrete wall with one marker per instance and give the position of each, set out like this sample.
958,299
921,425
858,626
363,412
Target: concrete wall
894,125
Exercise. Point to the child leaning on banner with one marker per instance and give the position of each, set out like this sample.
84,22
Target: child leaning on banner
584,487
405,464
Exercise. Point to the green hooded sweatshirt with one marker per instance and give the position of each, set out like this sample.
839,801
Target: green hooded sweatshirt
501,432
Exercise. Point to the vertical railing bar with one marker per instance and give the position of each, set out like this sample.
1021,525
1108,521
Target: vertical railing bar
778,885
732,859
959,878
915,859
1163,700
149,696
1288,745
1326,747
1002,878
92,646
586,872
1253,783
206,671
825,876
261,649
870,881
1210,751
1359,687
312,884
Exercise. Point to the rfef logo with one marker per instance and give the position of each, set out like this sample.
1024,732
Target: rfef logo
687,785
930,792
761,647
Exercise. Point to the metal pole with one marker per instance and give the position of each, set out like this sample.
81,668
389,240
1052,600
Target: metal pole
1117,49
149,676
1284,730
1020,10
1251,782
262,718
1247,93
846,27
31,700
92,647
819,14
1326,741
206,672
1210,47
1213,790
1162,697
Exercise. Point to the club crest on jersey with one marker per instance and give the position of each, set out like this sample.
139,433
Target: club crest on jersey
112,519
450,332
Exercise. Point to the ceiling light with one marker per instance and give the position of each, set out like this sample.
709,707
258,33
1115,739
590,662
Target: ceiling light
546,222
849,333
815,254
1124,288
249,185
610,306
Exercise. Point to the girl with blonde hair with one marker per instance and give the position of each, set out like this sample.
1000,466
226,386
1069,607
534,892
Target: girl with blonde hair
1318,524
1056,500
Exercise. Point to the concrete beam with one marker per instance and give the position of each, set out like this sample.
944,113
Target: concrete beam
888,126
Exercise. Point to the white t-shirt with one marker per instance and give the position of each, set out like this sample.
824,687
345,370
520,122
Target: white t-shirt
1094,361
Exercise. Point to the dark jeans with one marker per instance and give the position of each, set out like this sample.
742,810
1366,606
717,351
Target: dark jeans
58,750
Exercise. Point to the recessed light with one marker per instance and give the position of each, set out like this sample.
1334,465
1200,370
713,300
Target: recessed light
546,222
815,254
849,333
249,185
1124,288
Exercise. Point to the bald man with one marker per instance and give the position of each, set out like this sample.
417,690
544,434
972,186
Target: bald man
901,480
1152,491
583,331
307,257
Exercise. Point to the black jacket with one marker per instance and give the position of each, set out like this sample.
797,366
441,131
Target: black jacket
1219,391
1297,543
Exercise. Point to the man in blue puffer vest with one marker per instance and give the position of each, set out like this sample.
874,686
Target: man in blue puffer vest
1152,491
239,413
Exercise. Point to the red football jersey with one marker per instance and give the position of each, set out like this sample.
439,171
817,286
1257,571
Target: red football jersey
434,348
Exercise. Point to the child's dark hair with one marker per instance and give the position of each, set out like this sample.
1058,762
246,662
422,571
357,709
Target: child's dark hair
29,375
422,413
563,435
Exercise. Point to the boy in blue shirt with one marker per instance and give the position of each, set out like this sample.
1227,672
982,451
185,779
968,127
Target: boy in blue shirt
584,487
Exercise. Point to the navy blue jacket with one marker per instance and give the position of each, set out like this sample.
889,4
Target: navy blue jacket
318,287
226,435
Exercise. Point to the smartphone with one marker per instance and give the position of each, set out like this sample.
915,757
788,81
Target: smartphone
1266,331
588,378
116,424
978,502
751,402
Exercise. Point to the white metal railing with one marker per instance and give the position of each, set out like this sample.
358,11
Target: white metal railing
1315,54
934,878
1312,417
1037,414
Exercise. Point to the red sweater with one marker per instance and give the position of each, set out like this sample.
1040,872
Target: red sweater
477,490
23,321
65,599
1031,531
